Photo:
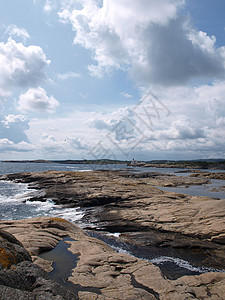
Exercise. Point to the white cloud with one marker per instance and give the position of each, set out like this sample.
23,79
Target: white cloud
14,128
157,46
56,145
14,30
36,99
68,75
21,66
180,129
48,5
7,146
126,95
195,128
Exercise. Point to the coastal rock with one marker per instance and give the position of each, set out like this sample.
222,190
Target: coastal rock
130,203
11,250
209,175
103,274
20,278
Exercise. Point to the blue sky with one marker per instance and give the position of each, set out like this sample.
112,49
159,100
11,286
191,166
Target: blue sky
112,79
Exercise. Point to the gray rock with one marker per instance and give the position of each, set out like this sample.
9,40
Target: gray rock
20,278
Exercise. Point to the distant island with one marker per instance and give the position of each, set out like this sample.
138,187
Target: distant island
183,164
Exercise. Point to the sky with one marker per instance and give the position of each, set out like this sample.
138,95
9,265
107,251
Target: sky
116,79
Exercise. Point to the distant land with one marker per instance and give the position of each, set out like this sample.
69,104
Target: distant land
186,164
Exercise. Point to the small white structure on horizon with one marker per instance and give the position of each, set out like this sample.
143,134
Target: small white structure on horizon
133,162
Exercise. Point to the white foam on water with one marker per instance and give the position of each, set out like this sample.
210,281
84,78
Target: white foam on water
70,214
29,193
16,204
49,208
120,250
183,264
115,234
14,192
179,262
40,205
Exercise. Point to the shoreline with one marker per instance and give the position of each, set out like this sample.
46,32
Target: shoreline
119,201
216,164
101,273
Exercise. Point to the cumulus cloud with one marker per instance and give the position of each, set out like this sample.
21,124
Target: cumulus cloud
21,66
194,128
173,57
14,127
180,129
37,100
14,30
158,46
8,146
120,123
55,145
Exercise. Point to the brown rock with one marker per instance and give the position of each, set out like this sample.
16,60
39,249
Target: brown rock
105,274
129,203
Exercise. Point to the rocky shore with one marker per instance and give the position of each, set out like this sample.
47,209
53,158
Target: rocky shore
100,272
129,203
216,165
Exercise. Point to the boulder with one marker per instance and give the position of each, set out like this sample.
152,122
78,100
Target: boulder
20,278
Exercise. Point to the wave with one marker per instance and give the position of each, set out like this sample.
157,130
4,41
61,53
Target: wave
183,264
174,260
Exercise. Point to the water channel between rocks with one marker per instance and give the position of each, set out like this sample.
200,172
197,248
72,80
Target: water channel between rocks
173,262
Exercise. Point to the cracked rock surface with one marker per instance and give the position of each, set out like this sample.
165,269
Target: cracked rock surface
101,273
129,203
20,278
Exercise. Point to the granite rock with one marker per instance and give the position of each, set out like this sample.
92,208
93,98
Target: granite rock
20,278
101,273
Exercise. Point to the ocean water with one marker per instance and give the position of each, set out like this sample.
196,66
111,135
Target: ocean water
215,189
14,197
15,204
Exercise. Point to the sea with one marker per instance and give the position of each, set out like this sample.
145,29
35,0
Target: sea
15,204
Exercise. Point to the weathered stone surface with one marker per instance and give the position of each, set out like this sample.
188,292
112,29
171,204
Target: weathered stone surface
220,165
11,250
208,175
22,279
31,282
130,203
104,274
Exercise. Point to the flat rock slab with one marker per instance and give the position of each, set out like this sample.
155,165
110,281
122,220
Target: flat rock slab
20,278
129,202
102,273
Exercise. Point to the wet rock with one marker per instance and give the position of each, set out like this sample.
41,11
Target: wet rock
101,273
20,278
209,175
121,201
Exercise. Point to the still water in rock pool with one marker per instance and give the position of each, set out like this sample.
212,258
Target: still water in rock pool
15,204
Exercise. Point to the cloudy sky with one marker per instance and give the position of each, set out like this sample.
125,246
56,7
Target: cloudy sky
112,79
